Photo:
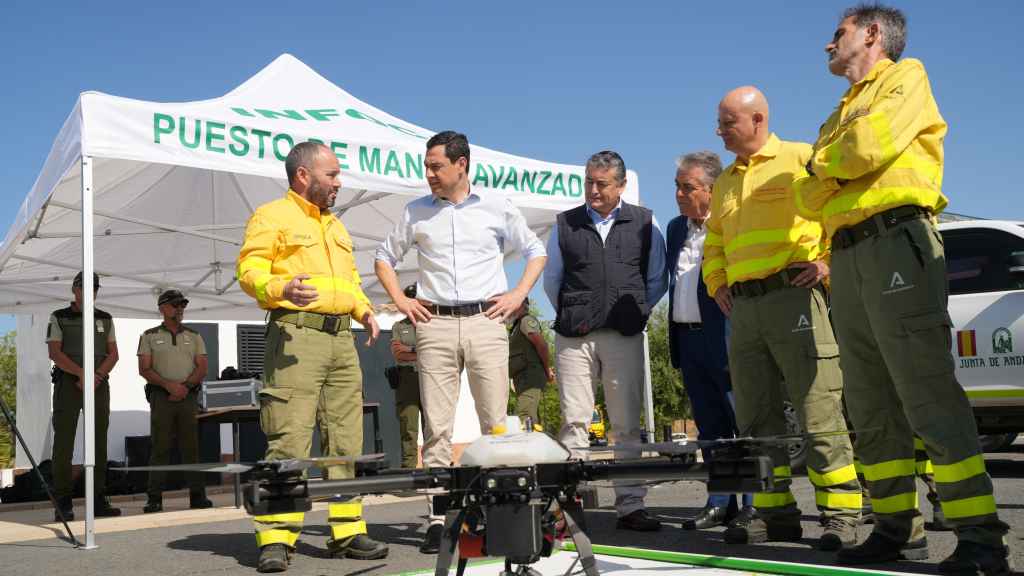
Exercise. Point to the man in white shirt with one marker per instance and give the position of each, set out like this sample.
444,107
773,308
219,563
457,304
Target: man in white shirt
462,296
697,326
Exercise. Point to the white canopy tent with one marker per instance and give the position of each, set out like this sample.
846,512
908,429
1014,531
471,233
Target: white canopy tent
167,188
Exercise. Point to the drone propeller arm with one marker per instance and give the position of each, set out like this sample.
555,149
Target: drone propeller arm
739,473
417,479
645,469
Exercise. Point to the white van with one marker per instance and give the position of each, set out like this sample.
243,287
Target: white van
985,269
985,264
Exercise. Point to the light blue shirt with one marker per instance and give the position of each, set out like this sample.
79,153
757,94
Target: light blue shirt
657,280
461,246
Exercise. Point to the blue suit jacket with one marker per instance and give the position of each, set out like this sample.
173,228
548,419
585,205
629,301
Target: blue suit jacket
711,315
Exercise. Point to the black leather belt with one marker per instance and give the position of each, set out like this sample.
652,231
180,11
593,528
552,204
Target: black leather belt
691,326
849,235
329,323
459,310
752,288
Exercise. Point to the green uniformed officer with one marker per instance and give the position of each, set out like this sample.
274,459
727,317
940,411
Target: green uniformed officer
407,386
64,340
172,359
528,363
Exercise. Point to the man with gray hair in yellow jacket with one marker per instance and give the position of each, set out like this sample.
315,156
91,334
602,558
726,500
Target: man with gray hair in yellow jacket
876,186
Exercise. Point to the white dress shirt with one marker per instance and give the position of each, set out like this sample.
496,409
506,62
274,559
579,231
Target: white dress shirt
461,246
685,306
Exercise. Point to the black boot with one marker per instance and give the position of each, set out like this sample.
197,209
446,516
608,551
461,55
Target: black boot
432,540
360,547
877,549
273,558
748,527
154,503
104,509
198,500
973,558
709,517
65,508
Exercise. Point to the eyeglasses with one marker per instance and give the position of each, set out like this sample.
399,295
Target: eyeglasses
178,304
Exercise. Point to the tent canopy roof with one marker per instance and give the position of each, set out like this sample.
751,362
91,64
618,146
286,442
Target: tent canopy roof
174,185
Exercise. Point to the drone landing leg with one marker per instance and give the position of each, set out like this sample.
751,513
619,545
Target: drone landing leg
449,538
580,539
35,468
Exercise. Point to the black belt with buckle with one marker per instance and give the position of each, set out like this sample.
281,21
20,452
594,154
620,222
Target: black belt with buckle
329,323
691,326
849,235
459,310
752,288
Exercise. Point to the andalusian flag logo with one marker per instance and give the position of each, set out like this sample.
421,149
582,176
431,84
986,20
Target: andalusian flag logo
965,343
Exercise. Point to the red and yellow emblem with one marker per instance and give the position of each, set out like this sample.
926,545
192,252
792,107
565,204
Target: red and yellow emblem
965,343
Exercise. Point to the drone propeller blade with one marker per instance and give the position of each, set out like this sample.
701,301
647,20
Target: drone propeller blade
692,446
216,467
662,447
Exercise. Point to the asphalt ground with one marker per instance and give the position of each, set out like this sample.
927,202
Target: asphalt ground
220,541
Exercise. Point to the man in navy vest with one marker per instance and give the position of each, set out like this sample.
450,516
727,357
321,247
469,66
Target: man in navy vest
604,274
696,334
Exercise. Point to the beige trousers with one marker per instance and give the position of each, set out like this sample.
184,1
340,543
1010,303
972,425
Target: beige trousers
444,346
616,362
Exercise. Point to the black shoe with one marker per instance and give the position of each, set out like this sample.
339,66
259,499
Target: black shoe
973,558
199,501
639,521
839,533
273,558
66,508
153,505
432,541
104,509
360,547
749,528
878,548
709,517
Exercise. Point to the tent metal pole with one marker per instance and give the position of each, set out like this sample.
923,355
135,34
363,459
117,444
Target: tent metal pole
39,222
211,294
88,351
143,222
140,232
648,391
365,236
135,273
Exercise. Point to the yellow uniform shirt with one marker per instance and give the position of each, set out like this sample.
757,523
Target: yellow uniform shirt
754,229
290,236
881,148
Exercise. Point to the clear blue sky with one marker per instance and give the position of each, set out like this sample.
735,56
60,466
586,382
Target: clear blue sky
550,80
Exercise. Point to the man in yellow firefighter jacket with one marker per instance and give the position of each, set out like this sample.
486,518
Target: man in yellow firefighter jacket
297,261
876,178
